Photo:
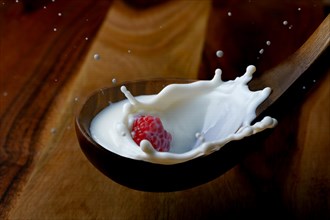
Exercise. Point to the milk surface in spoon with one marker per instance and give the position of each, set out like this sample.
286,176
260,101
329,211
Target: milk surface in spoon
201,116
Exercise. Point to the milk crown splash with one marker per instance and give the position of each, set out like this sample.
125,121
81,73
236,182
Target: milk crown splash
201,116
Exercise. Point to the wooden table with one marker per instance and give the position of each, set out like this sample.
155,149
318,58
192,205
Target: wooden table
48,68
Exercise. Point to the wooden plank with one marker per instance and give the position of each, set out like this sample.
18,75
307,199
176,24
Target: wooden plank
35,62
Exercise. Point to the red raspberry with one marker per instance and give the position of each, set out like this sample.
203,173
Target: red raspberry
151,128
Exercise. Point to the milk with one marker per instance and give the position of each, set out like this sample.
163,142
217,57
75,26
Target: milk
201,116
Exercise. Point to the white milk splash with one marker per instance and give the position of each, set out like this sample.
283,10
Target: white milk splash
201,116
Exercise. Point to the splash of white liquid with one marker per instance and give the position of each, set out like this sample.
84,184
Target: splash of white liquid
219,53
202,117
96,56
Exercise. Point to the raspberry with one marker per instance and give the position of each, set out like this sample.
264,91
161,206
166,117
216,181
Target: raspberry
147,127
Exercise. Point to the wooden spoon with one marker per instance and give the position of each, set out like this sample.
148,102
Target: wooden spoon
308,58
141,175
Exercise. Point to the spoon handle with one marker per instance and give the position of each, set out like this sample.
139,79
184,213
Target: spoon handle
282,76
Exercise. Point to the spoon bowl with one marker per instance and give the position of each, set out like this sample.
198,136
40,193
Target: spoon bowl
143,175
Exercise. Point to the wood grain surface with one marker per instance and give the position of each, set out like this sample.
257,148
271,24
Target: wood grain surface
46,74
36,61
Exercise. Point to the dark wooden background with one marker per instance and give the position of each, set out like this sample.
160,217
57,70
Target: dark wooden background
47,70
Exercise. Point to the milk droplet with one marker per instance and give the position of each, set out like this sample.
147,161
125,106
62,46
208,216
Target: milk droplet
53,0
114,81
268,42
86,38
261,51
129,51
218,72
299,9
53,130
97,56
219,53
55,29
229,13
304,87
17,1
290,27
45,7
5,93
76,99
285,22
59,14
